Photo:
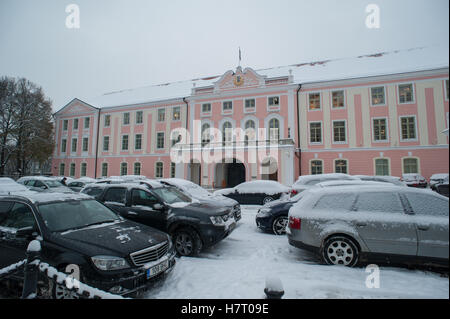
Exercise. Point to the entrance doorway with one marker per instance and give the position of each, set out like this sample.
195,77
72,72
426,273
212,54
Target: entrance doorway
195,171
229,175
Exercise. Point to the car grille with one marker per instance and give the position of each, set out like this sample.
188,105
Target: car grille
227,216
150,254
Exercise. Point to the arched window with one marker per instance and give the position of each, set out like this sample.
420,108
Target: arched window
62,168
83,170
227,132
124,169
104,169
410,165
250,131
316,167
274,129
206,138
137,168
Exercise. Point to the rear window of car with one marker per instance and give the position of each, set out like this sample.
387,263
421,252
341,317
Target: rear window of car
423,204
379,202
336,202
93,191
116,195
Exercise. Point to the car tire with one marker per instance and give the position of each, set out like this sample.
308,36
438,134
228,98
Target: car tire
187,242
279,225
267,199
340,250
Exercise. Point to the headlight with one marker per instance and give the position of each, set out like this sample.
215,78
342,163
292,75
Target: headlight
109,262
264,212
216,220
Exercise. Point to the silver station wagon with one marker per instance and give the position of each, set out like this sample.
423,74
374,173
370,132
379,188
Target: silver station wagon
378,223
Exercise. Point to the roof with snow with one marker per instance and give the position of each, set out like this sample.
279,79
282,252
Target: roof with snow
393,62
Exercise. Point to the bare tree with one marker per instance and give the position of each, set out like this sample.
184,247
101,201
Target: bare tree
7,95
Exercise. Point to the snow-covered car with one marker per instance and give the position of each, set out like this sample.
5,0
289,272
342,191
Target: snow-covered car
415,180
43,183
385,179
60,179
192,225
437,179
9,186
350,224
111,180
307,181
78,184
115,255
129,178
258,192
202,195
443,187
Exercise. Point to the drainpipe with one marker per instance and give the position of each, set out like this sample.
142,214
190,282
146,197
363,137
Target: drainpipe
298,132
96,146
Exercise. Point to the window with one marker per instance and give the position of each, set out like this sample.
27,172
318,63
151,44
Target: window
104,169
83,169
340,166
250,131
63,145
250,104
105,143
205,134
74,145
379,202
227,106
137,168
20,216
116,195
176,115
126,118
410,165
85,144
62,169
314,101
107,120
75,124
338,99
139,117
379,130
315,131
87,121
382,166
125,143
160,140
336,202
274,101
159,170
206,108
405,93
274,129
227,132
172,170
408,125
316,167
377,95
124,169
142,198
424,204
72,169
161,115
138,142
65,125
339,132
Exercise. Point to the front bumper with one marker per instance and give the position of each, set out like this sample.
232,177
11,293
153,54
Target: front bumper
264,223
132,283
237,212
212,234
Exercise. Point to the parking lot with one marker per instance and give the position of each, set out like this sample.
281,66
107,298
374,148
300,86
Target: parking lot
238,267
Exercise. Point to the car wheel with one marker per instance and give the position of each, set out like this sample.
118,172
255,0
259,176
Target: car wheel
267,199
187,242
279,225
340,250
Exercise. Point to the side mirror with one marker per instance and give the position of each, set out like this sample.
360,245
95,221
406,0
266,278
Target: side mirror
158,206
26,232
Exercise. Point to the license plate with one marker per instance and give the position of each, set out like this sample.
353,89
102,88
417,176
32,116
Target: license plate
159,268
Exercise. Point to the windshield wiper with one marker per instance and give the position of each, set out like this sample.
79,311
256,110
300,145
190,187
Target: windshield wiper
85,226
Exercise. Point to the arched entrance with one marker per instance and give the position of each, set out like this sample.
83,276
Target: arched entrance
195,171
230,174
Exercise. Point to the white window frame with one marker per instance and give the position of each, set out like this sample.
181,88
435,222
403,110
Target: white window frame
82,144
65,150
415,128
104,120
208,113
228,111
346,132
413,93
341,159
156,169
164,140
73,124
123,119
318,160
320,101
375,165
81,169
76,146
136,118
87,120
103,143
142,140
370,95
344,98
411,157
128,142
309,133
373,129
161,109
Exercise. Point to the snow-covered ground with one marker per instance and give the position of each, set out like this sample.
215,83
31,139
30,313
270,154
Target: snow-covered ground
238,267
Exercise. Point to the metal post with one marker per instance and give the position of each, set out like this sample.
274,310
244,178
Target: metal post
31,270
274,288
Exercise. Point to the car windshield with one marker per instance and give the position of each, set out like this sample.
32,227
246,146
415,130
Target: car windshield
76,214
194,189
51,183
171,195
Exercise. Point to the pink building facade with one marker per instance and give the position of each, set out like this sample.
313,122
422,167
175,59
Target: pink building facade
322,117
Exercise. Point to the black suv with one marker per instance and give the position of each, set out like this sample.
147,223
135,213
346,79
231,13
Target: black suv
192,225
112,253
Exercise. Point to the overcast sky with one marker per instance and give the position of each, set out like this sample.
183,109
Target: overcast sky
123,44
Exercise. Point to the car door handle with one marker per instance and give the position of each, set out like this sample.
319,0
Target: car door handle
423,227
132,213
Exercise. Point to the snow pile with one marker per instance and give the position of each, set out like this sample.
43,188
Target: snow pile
258,187
274,284
34,246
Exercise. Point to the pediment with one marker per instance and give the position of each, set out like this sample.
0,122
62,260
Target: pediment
76,106
239,79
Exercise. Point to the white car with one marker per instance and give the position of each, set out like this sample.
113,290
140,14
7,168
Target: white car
43,183
8,186
415,180
386,179
305,182
436,179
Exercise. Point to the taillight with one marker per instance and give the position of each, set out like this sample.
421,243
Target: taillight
293,192
294,222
